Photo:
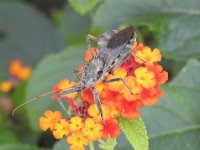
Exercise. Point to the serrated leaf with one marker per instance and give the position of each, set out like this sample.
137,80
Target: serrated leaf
20,147
108,144
26,34
135,132
48,73
83,7
174,122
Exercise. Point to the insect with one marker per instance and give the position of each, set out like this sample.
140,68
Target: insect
113,48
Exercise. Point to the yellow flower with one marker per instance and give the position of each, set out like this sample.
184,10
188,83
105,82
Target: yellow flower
77,140
148,56
134,87
93,111
49,120
75,123
5,86
114,112
119,73
145,77
92,130
61,128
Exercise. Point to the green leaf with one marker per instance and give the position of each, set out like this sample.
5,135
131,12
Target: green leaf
61,145
135,132
19,93
174,23
7,136
48,73
73,26
174,122
108,144
26,34
20,147
122,12
83,7
181,40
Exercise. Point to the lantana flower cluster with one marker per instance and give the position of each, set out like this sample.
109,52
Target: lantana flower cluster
17,72
143,75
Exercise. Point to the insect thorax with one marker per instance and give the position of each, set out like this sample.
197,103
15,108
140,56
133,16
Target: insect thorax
92,71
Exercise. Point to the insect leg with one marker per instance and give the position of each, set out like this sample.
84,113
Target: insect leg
62,106
119,79
97,101
133,53
63,93
88,40
76,72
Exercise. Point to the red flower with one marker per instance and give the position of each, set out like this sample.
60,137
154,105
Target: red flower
111,127
129,109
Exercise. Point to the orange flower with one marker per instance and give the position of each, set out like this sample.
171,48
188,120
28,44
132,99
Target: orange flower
111,98
61,128
136,89
63,85
75,124
6,86
111,128
148,56
93,112
15,67
150,96
129,109
77,140
145,77
25,73
88,57
138,47
160,75
92,130
49,120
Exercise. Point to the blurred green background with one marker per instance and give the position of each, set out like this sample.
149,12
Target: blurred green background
50,36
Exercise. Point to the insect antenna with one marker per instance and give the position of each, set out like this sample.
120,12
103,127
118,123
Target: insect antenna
31,100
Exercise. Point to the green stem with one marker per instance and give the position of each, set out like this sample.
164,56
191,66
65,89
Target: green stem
91,146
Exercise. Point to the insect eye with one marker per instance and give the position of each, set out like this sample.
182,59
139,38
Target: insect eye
99,73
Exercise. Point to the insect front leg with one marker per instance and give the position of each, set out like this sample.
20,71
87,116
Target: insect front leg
97,101
76,72
119,79
60,95
88,40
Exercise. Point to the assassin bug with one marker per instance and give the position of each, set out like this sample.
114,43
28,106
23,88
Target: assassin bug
113,48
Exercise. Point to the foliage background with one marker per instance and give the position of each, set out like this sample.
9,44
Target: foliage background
50,35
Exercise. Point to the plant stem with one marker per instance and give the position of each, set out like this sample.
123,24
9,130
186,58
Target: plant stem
91,146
